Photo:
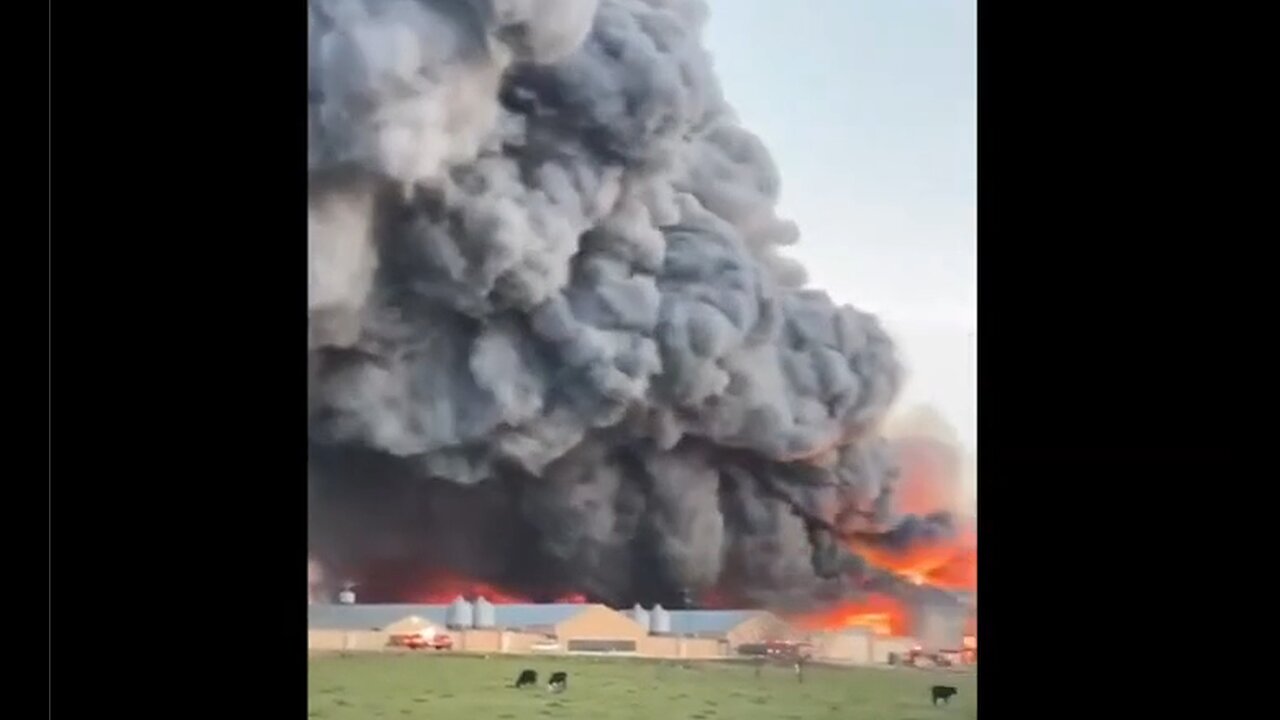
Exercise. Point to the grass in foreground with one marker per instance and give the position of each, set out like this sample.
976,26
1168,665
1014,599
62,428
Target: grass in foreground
406,686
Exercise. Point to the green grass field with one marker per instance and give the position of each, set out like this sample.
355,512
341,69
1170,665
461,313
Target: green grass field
424,685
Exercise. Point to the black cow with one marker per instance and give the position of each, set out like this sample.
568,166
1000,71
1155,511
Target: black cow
559,682
943,693
527,677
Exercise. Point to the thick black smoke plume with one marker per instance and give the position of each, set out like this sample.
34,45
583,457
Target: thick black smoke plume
553,344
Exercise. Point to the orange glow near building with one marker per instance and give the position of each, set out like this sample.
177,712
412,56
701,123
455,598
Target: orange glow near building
880,614
443,589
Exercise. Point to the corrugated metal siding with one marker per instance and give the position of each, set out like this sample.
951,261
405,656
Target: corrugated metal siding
368,617
533,615
700,622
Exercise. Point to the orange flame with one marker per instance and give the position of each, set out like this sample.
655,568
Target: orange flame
947,564
928,481
880,614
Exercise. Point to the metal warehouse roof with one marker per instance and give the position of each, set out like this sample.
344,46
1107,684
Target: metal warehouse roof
532,615
368,617
698,622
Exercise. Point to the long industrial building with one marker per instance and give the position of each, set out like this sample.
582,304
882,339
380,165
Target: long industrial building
589,628
528,628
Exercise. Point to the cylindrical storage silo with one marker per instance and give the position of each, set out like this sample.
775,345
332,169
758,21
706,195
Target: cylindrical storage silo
315,580
660,620
641,616
484,615
939,625
460,614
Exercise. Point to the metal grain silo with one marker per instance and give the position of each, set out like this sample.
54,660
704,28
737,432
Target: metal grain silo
641,616
460,614
659,621
348,595
484,615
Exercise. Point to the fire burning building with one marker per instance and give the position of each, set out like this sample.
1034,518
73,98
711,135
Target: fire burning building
555,347
587,628
938,624
580,628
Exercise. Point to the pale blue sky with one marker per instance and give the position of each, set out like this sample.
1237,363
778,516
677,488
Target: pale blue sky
869,109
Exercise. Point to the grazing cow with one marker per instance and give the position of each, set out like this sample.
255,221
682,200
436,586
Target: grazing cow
527,677
943,693
559,682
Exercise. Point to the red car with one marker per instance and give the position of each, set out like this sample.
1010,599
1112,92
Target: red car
439,641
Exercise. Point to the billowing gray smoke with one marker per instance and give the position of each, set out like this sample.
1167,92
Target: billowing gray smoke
553,344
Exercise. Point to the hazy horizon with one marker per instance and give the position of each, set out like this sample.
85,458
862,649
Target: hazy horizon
869,110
